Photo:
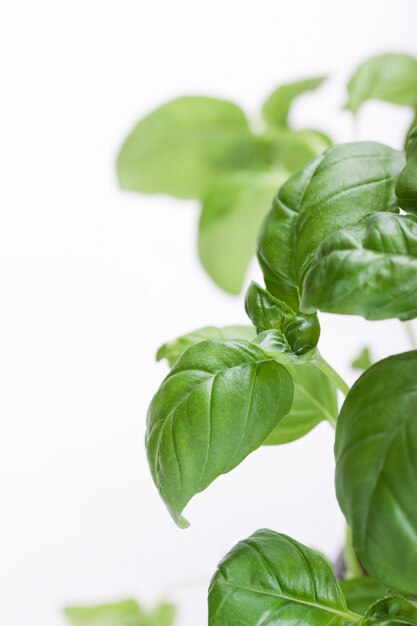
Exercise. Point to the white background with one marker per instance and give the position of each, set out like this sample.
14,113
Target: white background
94,279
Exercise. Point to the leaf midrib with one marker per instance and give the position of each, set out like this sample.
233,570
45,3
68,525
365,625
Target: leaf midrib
350,616
184,398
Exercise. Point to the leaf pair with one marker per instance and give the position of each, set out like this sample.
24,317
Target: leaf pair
224,398
204,148
334,240
272,579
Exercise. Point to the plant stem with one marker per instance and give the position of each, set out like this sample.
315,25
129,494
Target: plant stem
331,373
410,334
353,567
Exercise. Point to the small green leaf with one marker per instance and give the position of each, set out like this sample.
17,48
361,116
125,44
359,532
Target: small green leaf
186,145
393,609
363,361
276,108
172,350
406,188
272,579
217,405
334,191
369,269
376,470
360,593
233,211
388,77
125,613
301,331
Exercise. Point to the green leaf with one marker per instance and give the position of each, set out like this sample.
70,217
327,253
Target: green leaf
334,191
315,396
217,405
369,269
272,579
393,609
363,361
388,77
172,350
233,211
186,145
315,400
292,149
125,613
301,331
360,593
276,108
376,470
406,188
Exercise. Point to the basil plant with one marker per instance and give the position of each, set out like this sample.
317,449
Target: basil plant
341,237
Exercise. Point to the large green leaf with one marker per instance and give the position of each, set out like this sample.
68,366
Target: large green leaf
406,188
389,77
315,400
185,145
369,269
376,470
272,579
276,108
334,191
125,613
391,610
233,211
217,405
315,397
360,593
172,350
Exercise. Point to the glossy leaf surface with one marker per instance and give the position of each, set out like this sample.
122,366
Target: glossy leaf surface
389,77
376,470
232,213
217,405
369,269
335,191
185,145
360,593
125,613
392,610
276,108
172,350
272,579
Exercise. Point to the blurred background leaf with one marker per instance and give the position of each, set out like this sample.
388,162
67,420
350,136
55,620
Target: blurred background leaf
363,361
388,77
124,613
276,108
204,148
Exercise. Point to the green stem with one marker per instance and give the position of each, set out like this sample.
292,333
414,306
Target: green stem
410,334
331,373
353,567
